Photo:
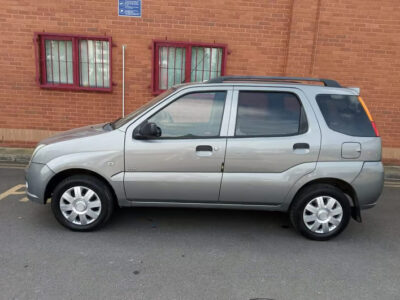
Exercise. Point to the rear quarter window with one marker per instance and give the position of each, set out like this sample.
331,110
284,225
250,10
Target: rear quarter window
345,114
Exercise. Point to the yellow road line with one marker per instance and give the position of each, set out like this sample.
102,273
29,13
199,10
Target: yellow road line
13,191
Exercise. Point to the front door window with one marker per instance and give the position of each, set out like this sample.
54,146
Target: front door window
195,115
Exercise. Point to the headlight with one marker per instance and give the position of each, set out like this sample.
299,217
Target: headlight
40,146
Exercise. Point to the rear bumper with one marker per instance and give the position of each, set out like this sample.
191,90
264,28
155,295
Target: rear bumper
368,184
37,177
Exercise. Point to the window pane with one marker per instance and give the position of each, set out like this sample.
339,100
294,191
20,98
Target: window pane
269,114
59,61
193,115
91,57
172,66
105,63
206,63
345,114
83,64
180,66
216,62
69,62
171,69
163,63
55,61
49,61
94,63
98,68
66,73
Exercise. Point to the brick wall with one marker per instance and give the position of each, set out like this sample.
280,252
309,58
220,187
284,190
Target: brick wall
356,42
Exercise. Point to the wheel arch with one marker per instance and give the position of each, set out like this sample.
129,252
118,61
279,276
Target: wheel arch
344,186
58,177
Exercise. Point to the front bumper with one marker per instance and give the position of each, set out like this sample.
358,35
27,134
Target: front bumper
369,184
37,177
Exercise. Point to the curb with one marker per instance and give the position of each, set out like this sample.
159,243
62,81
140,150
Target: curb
22,156
15,156
392,173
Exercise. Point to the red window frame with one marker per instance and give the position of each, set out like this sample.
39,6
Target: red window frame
40,55
188,59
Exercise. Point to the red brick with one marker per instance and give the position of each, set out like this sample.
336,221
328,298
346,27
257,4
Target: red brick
356,42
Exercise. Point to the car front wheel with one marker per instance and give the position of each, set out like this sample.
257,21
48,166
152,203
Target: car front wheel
82,203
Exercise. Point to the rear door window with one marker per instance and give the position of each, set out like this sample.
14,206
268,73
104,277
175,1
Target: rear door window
345,114
265,114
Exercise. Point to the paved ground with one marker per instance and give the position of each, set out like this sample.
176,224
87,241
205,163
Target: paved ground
193,254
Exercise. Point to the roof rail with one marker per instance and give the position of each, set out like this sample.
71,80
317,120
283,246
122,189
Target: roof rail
221,79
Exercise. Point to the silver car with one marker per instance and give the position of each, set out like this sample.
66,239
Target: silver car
266,143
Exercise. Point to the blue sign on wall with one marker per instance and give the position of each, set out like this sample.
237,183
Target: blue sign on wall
130,8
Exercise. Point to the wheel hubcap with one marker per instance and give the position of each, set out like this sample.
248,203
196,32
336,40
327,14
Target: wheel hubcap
80,205
323,214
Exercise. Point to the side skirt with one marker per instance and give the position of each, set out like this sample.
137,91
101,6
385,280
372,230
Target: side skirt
206,205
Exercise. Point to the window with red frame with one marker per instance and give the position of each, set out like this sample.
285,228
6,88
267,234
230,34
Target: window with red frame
177,62
74,62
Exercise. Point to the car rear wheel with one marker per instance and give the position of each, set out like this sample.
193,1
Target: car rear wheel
320,212
82,203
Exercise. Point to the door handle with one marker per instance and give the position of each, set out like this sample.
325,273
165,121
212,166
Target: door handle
204,148
301,146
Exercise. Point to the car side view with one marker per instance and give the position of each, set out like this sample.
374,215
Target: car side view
305,146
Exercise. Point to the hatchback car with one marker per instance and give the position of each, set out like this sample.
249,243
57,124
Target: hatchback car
304,146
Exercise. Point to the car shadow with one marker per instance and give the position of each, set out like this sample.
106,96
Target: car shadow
198,219
191,224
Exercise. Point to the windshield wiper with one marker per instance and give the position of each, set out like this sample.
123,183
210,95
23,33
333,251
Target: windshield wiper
112,124
108,127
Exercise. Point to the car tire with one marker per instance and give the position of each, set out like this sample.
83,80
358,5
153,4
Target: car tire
320,212
82,203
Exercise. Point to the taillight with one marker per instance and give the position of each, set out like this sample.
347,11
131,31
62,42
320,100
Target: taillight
369,116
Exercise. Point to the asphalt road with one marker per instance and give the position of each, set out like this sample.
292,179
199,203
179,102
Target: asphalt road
193,254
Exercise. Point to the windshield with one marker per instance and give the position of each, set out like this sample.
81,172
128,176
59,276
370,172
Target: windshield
122,121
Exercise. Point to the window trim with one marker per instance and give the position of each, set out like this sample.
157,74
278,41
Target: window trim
302,109
41,76
188,59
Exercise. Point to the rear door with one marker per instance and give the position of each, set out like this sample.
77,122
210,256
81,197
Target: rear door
185,163
273,140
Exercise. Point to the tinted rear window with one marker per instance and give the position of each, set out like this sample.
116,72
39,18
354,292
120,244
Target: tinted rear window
345,114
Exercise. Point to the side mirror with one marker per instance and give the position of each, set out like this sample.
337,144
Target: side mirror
147,130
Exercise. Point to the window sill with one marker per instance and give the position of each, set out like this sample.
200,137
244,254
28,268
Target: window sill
157,92
75,88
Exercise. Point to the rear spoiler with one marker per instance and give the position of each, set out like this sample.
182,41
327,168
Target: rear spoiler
355,89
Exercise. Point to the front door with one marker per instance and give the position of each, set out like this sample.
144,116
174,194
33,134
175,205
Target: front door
184,163
273,140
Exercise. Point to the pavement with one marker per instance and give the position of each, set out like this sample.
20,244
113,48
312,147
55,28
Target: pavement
153,253
15,156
